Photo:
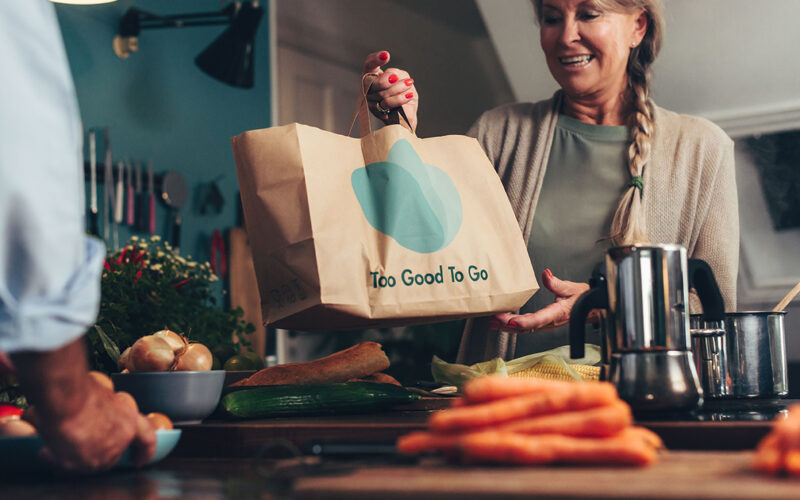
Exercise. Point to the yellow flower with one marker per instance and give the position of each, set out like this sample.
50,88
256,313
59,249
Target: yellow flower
155,237
156,267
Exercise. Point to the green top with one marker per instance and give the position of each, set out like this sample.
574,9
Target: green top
585,178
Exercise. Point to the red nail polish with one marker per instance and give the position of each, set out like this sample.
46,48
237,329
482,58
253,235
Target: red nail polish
392,78
409,82
383,56
513,323
409,95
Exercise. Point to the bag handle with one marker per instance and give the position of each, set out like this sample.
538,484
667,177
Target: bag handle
362,110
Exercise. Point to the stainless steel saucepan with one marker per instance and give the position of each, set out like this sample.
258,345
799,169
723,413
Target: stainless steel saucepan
744,356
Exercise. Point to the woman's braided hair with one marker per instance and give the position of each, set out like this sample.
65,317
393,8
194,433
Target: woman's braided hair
628,225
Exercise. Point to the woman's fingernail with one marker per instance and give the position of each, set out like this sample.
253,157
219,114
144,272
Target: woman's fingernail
409,82
383,56
513,323
392,78
410,95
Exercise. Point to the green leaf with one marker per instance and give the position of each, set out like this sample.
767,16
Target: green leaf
111,348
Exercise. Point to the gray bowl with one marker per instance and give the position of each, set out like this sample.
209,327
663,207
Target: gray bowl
185,397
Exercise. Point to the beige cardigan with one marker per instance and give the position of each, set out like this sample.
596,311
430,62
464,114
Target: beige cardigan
689,194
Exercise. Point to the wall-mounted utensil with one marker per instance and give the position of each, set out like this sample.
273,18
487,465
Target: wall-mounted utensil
130,211
119,201
93,226
108,188
151,199
174,193
788,298
141,200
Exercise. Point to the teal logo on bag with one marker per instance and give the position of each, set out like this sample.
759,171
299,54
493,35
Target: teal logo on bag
415,203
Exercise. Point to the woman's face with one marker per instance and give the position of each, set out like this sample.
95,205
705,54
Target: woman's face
587,48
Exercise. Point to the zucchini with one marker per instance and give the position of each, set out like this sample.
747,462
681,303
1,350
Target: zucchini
314,399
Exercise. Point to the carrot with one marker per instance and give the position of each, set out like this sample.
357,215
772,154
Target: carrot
421,442
647,436
509,448
579,397
791,462
597,422
492,387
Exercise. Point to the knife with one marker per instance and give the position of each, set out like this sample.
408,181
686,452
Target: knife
151,196
108,188
119,200
129,203
93,229
141,202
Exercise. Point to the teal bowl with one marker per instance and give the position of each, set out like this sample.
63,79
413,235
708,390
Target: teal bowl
21,453
185,397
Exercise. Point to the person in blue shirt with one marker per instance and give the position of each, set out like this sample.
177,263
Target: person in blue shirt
49,269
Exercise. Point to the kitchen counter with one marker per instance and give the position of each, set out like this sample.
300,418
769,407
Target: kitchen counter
236,439
677,475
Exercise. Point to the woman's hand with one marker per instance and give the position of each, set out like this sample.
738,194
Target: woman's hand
547,318
393,88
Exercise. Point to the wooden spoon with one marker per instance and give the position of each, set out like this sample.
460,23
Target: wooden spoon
785,301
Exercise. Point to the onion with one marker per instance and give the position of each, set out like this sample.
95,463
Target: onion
159,421
150,354
197,357
128,399
16,427
122,363
102,379
175,341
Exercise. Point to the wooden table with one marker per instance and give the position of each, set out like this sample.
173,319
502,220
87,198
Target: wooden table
677,475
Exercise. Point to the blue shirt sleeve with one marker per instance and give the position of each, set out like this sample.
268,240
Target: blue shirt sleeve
49,269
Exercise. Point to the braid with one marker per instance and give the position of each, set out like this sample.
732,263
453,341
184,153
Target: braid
628,226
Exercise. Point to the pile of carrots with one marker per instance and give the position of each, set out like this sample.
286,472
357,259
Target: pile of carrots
534,421
779,451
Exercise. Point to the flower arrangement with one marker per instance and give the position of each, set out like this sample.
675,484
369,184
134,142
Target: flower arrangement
147,287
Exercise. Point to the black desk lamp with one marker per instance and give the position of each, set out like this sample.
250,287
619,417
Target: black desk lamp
229,58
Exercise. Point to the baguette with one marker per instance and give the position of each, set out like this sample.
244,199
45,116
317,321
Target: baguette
358,361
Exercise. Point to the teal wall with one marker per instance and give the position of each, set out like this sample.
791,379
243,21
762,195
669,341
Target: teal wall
160,106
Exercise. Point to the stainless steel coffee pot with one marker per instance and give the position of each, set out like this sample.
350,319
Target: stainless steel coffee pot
647,345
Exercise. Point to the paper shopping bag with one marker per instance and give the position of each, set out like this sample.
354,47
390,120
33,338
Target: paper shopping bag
386,230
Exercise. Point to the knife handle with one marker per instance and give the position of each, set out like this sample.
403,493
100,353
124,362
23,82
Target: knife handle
141,212
129,206
93,228
151,216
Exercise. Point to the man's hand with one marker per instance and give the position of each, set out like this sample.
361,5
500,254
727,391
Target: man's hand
85,427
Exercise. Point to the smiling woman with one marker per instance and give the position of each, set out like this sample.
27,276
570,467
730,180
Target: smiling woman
596,165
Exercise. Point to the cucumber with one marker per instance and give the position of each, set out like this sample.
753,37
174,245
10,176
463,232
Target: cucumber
314,399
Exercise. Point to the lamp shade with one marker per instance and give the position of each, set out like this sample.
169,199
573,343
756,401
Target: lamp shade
230,57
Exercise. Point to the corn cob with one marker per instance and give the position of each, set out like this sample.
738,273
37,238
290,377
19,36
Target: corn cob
555,371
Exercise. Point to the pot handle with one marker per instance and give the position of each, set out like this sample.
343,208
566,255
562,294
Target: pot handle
595,298
701,278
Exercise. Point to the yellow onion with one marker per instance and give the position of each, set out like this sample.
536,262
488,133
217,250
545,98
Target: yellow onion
122,363
150,354
196,357
16,427
175,341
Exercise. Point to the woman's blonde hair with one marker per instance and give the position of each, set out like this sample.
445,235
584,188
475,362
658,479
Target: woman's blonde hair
628,225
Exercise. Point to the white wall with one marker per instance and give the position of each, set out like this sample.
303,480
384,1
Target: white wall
720,58
458,75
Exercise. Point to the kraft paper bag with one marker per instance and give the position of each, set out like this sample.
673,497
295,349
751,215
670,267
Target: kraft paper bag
386,230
